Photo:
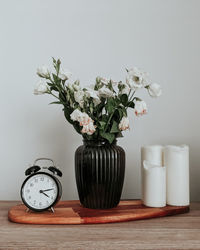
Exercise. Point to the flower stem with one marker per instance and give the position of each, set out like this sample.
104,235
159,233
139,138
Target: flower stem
109,121
132,96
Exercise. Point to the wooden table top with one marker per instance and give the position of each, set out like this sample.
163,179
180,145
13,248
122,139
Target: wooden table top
175,232
71,212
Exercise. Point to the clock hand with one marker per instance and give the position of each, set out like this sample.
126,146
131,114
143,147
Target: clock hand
47,190
42,192
45,194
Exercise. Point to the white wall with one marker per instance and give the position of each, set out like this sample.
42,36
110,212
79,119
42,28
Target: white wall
96,38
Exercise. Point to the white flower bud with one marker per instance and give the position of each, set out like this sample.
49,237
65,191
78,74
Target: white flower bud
140,108
105,92
40,88
124,123
154,90
64,74
43,71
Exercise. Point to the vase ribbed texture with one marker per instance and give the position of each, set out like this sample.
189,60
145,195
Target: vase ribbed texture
99,169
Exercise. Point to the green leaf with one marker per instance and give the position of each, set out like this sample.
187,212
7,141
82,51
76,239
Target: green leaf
137,99
118,114
104,118
131,105
114,128
54,88
55,78
124,112
117,101
62,97
55,103
67,113
110,105
110,85
119,134
77,127
54,60
124,99
108,136
102,125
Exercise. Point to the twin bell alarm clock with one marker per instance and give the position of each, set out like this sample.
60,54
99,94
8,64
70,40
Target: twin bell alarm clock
41,190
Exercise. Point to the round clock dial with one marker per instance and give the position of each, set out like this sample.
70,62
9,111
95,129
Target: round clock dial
39,191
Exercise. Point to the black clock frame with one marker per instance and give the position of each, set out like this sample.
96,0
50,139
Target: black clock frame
59,194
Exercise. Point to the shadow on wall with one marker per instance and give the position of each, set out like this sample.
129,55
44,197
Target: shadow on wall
58,140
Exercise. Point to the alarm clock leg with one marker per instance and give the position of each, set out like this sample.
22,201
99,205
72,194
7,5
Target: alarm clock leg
27,210
52,209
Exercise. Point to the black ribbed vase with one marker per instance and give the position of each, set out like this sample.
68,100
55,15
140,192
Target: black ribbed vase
99,169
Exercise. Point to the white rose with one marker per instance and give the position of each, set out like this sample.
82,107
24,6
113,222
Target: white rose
79,97
140,108
64,74
80,117
136,78
94,95
105,92
154,90
124,123
88,129
105,81
40,88
85,119
43,71
76,115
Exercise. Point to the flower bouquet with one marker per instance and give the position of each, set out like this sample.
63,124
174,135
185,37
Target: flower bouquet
99,113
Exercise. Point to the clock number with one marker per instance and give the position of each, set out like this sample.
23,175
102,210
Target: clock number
31,185
36,180
40,204
28,190
29,197
42,178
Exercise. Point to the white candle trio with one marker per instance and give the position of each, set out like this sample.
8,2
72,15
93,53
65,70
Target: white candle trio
165,175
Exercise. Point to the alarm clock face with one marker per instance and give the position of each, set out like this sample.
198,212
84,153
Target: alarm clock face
40,191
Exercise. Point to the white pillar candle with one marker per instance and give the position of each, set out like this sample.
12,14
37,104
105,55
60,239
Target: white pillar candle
152,154
176,160
154,185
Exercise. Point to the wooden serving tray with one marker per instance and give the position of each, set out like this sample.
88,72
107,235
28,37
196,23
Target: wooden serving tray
71,212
